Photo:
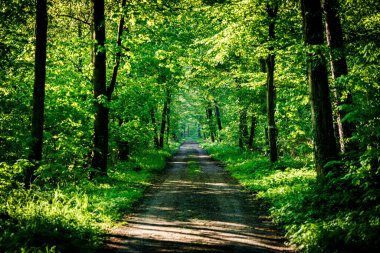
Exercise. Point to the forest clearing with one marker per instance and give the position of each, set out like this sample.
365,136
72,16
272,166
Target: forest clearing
189,126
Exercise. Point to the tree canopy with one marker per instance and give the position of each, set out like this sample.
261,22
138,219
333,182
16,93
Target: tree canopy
282,80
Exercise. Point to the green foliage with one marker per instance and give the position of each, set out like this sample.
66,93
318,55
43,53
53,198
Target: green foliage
76,214
338,214
11,175
206,53
40,220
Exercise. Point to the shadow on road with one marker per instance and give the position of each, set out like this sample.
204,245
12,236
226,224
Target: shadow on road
198,207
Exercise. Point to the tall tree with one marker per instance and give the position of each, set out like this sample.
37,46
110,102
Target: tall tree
35,154
123,146
100,152
210,121
334,37
164,118
243,128
168,121
252,132
324,140
115,71
272,9
218,118
152,112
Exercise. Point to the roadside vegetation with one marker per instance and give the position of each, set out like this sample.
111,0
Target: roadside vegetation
93,92
337,214
59,215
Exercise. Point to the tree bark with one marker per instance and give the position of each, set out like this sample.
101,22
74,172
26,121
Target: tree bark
218,119
80,60
338,63
35,155
168,121
324,141
199,131
211,123
252,132
153,118
112,85
163,119
243,128
123,146
100,152
271,92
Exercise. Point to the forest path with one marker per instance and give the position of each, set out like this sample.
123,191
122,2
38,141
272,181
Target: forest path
197,207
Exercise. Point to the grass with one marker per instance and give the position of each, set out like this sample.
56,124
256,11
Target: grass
193,167
73,216
331,215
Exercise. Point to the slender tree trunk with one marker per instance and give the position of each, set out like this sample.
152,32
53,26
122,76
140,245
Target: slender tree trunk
263,65
241,141
271,92
211,123
80,60
123,146
163,123
100,152
168,121
242,112
338,63
218,119
163,119
199,131
252,132
112,85
153,118
323,132
35,155
243,128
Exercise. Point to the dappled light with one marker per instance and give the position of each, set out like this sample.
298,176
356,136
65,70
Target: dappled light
189,126
190,213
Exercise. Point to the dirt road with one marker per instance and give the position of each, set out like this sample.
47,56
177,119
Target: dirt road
198,207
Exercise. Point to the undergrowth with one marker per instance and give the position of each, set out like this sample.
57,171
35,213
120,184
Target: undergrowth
70,216
336,214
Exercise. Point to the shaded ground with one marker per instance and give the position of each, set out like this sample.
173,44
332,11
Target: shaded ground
198,207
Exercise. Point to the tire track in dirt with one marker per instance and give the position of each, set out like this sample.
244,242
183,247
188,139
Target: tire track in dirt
197,207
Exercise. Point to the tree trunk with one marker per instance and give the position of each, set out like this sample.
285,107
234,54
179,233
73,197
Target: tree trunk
338,63
123,146
163,119
100,152
168,121
324,141
153,118
271,93
218,119
243,128
211,123
112,85
252,132
124,150
80,60
35,155
263,65
199,131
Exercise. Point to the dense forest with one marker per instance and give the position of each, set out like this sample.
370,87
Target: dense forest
95,95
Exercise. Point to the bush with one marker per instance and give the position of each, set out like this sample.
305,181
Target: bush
339,213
